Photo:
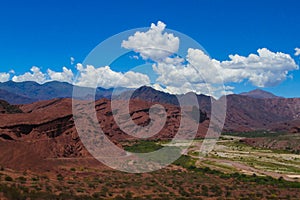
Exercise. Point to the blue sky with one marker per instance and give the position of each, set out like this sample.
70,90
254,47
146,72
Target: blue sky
47,33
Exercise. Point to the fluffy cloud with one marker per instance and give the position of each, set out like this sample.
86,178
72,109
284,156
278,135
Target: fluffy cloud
105,77
203,88
38,76
35,75
153,44
88,76
263,69
297,51
4,77
199,74
65,76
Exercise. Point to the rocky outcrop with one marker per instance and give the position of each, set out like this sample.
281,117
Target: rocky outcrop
47,127
6,108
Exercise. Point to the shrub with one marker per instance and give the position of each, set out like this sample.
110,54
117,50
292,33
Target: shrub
204,190
128,195
73,169
79,190
59,177
35,178
104,191
96,195
8,178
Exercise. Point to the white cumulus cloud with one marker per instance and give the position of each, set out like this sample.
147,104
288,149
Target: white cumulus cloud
203,75
105,77
65,76
88,76
263,69
35,75
153,44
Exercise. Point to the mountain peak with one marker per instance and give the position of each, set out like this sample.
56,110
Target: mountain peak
259,94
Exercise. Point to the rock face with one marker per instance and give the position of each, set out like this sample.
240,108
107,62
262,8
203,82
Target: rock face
255,110
6,108
47,124
46,129
245,113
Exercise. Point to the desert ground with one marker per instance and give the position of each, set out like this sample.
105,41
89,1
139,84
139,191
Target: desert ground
232,170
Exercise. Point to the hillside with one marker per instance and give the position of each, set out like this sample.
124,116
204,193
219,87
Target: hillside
259,94
255,110
47,128
245,113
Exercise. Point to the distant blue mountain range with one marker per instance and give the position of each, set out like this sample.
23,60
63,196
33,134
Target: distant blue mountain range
29,91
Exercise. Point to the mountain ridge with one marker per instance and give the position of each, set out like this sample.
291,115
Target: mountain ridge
259,94
47,127
30,91
244,112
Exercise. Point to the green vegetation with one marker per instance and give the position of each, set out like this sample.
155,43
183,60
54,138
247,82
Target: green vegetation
262,180
189,163
35,178
59,177
8,178
186,162
254,134
261,158
143,147
73,169
20,193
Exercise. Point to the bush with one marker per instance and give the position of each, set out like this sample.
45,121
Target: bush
128,195
73,169
35,178
204,190
104,191
59,177
96,195
8,178
80,190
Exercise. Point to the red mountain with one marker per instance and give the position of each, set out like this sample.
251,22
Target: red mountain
259,94
246,113
46,129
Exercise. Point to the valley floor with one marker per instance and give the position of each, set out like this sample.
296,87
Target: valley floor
233,170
